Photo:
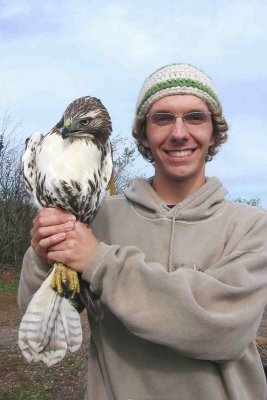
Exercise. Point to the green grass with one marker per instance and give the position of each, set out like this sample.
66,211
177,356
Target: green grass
38,382
9,288
29,393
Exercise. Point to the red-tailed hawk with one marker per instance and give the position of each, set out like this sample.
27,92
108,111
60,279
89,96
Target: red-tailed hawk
69,168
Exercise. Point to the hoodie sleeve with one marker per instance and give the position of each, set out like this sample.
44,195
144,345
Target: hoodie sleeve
34,272
212,315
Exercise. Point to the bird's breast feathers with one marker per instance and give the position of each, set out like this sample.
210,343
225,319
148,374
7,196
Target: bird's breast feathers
70,174
69,161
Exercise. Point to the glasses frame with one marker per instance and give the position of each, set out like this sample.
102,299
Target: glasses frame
183,117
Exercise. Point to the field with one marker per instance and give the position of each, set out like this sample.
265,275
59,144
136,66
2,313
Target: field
66,381
22,381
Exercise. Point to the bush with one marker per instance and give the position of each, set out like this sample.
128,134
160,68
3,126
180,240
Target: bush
15,213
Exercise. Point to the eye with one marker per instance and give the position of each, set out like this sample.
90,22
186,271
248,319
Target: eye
85,121
197,118
162,118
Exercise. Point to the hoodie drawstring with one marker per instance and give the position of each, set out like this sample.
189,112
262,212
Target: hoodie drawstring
170,263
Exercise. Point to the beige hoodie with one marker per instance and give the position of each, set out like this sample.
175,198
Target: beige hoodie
181,291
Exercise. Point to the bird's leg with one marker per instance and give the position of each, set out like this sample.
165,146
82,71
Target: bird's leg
65,281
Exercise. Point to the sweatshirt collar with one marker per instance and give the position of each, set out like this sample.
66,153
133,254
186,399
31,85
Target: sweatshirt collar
198,206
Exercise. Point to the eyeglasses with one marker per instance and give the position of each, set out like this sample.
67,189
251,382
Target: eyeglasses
191,118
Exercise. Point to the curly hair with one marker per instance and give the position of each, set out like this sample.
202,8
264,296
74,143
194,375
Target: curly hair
220,128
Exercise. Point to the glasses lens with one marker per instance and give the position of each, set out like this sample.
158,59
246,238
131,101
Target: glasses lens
162,119
196,118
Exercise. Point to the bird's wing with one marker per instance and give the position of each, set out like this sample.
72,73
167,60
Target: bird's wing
50,326
106,173
29,161
107,167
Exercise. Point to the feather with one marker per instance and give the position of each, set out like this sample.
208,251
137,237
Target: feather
69,168
50,326
29,163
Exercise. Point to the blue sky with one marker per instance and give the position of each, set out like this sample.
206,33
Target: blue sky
54,52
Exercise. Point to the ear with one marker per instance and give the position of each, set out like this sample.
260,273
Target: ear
212,140
145,143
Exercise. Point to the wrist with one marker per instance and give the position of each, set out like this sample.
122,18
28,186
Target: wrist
40,261
94,261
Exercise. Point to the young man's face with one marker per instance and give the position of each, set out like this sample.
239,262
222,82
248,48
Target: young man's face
179,149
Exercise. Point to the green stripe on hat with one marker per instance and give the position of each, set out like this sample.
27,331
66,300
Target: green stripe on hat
179,83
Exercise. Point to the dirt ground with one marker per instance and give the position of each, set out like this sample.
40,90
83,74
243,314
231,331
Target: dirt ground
65,381
262,339
20,380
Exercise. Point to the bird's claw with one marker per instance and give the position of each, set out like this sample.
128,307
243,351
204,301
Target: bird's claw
65,281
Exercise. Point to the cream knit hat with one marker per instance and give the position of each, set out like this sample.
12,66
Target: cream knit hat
178,79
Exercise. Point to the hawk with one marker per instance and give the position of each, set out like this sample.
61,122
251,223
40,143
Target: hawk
70,168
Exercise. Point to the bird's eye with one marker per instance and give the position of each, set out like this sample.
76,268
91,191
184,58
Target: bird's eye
85,121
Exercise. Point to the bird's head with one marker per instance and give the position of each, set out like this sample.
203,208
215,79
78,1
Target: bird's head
87,118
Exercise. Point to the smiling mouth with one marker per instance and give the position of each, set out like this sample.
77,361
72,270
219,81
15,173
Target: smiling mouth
180,153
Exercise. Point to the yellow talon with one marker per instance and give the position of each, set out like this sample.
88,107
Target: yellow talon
65,281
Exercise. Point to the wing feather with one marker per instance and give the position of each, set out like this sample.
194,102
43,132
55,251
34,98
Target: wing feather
29,164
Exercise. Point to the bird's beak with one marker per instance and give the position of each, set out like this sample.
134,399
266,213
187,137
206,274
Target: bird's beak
65,130
65,133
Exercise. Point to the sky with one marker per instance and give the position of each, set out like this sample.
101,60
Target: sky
54,52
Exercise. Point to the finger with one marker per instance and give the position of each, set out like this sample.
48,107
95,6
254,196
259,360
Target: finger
51,240
47,231
44,231
61,246
57,256
52,216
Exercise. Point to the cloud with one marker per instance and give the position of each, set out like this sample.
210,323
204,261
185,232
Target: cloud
22,19
14,8
138,34
186,31
241,163
57,51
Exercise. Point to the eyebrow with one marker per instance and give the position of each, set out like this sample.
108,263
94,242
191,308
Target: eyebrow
163,110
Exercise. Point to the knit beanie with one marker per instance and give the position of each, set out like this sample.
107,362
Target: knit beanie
178,79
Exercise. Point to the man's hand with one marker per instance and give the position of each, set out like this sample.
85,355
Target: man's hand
58,237
50,227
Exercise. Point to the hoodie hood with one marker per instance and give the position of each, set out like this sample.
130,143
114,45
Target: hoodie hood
202,204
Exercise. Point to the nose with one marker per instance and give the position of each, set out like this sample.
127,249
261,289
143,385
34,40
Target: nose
179,131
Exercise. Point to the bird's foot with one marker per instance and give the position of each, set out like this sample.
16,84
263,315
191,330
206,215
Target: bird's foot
65,281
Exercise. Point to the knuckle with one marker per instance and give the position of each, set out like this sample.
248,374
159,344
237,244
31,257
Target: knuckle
40,231
71,244
41,214
68,256
41,245
49,258
40,221
71,235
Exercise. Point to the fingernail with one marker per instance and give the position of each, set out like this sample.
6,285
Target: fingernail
68,226
71,217
61,235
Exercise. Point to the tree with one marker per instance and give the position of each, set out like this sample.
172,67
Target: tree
124,156
252,202
15,213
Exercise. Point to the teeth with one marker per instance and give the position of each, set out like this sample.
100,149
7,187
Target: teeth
181,153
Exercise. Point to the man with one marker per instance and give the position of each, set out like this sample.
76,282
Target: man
179,272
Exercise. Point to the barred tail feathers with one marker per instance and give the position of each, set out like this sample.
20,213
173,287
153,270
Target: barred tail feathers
49,327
